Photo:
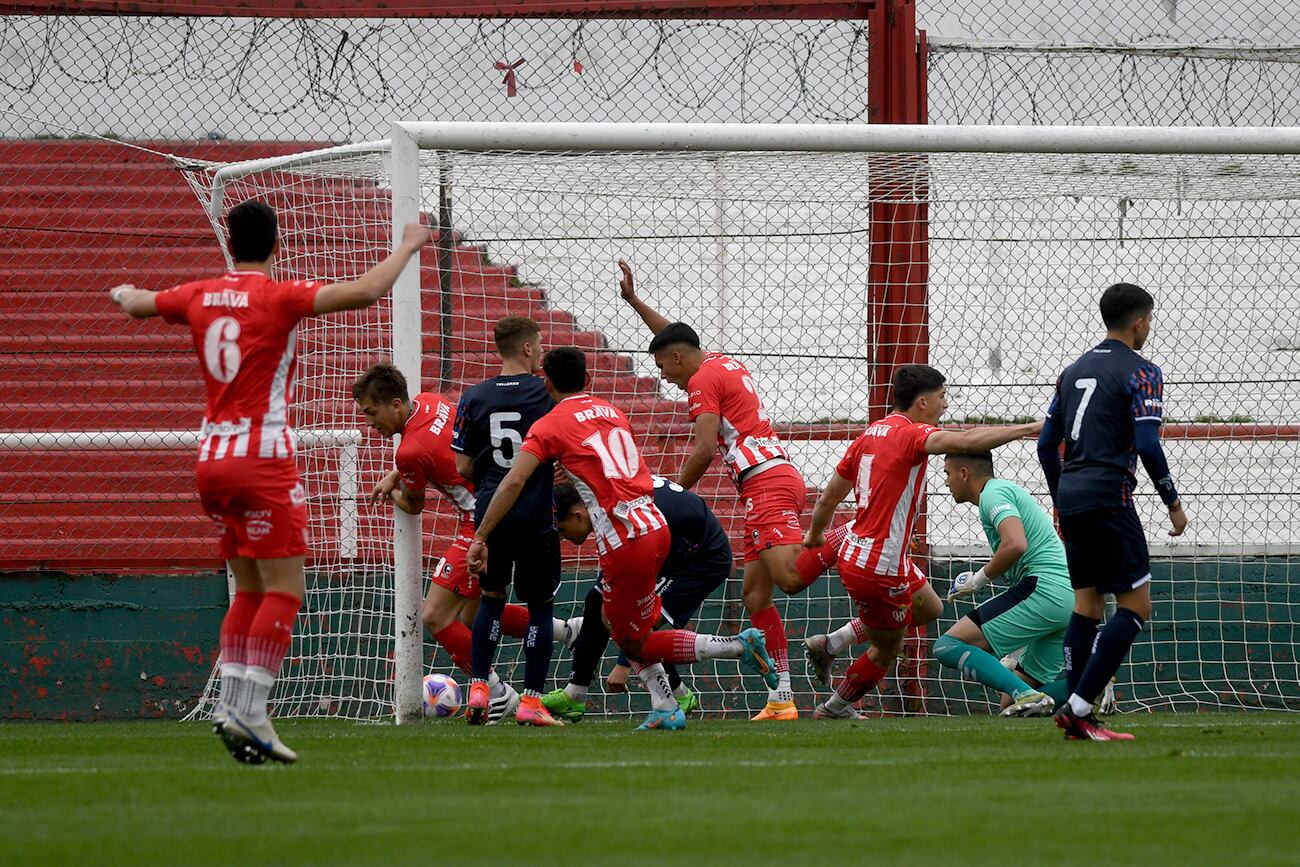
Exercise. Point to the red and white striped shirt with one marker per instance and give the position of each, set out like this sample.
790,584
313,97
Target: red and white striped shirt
245,330
723,386
887,467
592,441
424,457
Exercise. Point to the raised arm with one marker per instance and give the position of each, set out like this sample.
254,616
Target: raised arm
703,448
136,303
653,319
978,439
378,281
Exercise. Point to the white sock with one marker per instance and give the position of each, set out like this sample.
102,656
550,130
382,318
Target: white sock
681,690
258,682
656,683
841,638
1079,706
835,704
557,628
575,692
783,691
232,684
718,647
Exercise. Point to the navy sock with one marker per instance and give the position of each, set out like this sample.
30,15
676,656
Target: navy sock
485,636
674,679
538,644
1112,647
1080,635
593,638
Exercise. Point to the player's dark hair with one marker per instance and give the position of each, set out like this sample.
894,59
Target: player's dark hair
381,383
513,332
913,380
677,332
1124,302
566,368
980,463
252,230
566,500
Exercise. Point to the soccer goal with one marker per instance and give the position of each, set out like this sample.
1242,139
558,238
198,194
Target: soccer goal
823,257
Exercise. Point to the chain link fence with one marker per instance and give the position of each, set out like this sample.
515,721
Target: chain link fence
79,214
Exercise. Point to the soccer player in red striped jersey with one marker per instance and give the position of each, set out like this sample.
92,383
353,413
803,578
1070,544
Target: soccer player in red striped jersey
424,458
592,442
729,418
245,327
885,468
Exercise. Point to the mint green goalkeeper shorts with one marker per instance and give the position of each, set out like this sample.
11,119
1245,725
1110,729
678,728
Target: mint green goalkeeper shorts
1033,614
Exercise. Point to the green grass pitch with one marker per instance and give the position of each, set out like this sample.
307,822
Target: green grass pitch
1193,789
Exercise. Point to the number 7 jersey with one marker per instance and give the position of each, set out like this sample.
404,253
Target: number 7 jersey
245,330
593,443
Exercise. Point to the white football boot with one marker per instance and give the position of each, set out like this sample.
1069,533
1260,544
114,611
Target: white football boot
260,737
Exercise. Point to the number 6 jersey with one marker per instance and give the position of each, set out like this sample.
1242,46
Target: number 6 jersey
592,442
245,329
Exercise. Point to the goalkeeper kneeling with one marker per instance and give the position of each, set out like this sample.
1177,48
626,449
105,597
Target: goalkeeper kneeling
1032,614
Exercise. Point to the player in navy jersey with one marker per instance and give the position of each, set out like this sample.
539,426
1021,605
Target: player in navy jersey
1107,409
699,562
491,422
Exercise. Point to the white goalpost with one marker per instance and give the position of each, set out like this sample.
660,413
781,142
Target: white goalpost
820,256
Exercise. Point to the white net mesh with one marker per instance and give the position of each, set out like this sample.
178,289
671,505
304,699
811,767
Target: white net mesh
771,257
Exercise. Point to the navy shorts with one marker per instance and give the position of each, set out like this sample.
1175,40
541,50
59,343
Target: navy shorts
1106,549
684,592
527,557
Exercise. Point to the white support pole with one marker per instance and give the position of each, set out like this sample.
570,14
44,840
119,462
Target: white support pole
864,138
408,637
348,501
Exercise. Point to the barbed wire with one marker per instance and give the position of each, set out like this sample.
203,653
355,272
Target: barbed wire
472,69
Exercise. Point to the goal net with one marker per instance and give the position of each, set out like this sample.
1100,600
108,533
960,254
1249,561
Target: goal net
822,257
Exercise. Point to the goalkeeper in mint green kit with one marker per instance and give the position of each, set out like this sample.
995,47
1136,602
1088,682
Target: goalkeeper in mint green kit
1033,614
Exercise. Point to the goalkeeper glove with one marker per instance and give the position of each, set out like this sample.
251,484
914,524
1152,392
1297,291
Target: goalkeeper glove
967,583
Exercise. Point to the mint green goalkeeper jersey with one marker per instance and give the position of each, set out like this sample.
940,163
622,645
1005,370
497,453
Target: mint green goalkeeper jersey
1044,557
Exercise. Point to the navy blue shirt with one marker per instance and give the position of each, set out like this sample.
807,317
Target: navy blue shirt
1099,401
700,545
491,422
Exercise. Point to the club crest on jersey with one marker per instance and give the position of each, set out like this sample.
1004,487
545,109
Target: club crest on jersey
900,614
298,495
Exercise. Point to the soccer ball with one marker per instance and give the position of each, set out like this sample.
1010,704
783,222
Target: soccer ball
441,696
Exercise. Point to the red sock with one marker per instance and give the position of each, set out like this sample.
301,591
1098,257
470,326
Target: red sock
235,625
669,645
456,639
514,621
271,630
861,678
911,671
812,563
778,648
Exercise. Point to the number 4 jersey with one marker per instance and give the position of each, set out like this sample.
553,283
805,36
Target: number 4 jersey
593,443
245,329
